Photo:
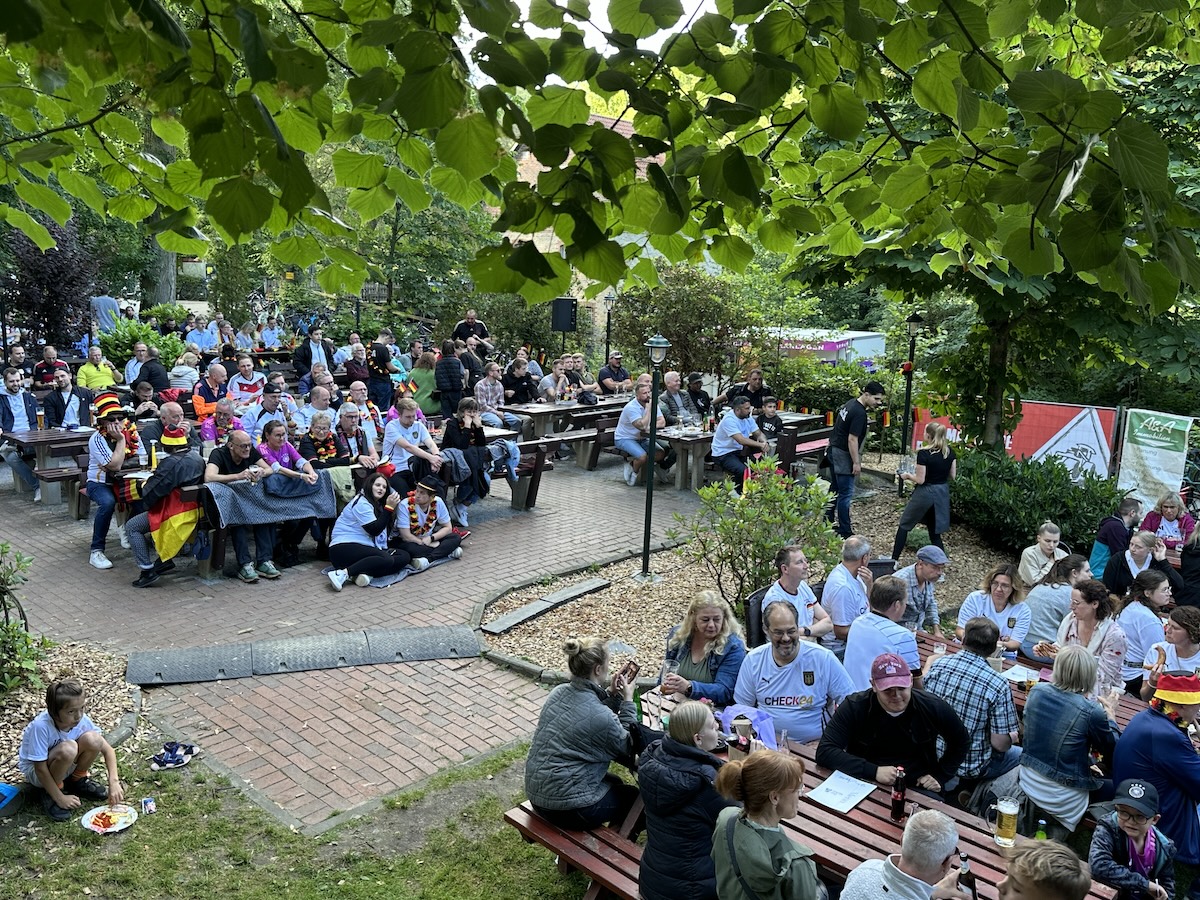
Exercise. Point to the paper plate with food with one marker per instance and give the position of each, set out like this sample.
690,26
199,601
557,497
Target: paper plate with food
108,819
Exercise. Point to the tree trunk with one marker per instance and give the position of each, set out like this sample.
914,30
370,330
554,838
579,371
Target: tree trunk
997,378
162,276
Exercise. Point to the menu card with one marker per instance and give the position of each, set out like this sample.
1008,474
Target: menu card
841,792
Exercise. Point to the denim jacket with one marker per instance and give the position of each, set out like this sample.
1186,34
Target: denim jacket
1061,729
723,668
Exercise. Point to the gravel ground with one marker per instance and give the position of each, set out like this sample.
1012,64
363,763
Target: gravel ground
108,697
640,615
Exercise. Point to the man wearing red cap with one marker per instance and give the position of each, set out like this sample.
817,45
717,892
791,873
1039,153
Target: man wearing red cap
1155,748
891,725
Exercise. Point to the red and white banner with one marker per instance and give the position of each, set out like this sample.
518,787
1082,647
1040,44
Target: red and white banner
1081,436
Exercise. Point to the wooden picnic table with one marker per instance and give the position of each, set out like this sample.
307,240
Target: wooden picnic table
691,445
50,446
547,416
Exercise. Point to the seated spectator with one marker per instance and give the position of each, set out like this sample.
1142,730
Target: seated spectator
920,578
1188,594
1179,652
1037,559
1145,552
699,397
67,406
878,631
797,682
614,377
344,352
422,527
676,776
1141,620
145,401
675,404
410,447
582,729
450,377
179,466
284,460
519,386
1169,520
748,845
321,447
753,388
43,372
356,364
999,598
318,402
272,336
632,436
893,725
238,461
1112,537
554,386
208,391
736,440
155,372
402,392
269,408
1049,602
982,699
532,365
201,336
465,434
358,546
310,378
708,648
218,428
246,337
18,413
348,431
922,869
792,587
581,379
170,416
106,454
133,367
1044,870
327,381
286,400
409,358
97,374
769,422
370,417
1091,623
845,594
245,387
489,394
1062,730
1128,852
19,361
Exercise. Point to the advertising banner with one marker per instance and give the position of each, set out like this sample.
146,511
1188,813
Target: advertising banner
1153,454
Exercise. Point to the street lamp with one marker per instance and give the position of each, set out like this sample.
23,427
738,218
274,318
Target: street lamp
658,347
610,300
914,323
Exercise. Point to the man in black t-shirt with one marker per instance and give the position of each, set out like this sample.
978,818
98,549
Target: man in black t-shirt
381,367
845,450
614,377
472,326
239,460
753,387
519,386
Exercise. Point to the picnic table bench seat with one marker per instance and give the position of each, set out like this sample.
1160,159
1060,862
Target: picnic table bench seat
535,459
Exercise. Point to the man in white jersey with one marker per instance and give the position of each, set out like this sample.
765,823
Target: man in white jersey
879,631
795,681
845,594
792,587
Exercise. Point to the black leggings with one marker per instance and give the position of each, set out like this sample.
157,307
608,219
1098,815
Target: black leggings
445,547
359,559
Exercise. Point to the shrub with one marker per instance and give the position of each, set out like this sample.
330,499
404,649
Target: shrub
118,344
736,538
1007,499
20,651
163,311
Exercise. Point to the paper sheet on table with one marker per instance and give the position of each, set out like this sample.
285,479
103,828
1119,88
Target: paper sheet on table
1019,674
841,792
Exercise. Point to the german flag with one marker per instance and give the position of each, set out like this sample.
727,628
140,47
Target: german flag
172,523
411,387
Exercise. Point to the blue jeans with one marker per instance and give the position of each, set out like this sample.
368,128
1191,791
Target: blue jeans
20,468
611,808
999,764
494,419
264,543
735,465
845,493
106,503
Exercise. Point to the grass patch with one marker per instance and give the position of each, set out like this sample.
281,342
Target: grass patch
472,771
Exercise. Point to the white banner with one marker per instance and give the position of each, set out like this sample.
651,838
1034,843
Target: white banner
1153,455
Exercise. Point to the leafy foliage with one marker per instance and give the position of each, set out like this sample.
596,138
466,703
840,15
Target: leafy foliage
735,539
48,292
164,311
118,344
1007,499
20,651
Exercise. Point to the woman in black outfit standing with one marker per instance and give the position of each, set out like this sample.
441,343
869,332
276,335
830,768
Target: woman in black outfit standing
930,500
449,376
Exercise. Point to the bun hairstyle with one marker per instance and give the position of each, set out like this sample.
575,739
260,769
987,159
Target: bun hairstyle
1095,591
687,719
751,781
584,654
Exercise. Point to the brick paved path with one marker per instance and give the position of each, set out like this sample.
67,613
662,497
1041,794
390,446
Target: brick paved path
340,737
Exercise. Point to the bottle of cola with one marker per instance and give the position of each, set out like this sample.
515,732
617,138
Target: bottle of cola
899,791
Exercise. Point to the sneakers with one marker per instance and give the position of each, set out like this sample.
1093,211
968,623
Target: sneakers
460,513
146,578
420,564
99,561
53,810
267,570
37,498
338,578
163,566
247,574
123,536
85,787
363,580
630,475
456,553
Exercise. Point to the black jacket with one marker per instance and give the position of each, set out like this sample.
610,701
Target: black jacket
1117,577
55,407
1109,860
861,737
525,389
302,358
174,470
448,375
155,372
682,806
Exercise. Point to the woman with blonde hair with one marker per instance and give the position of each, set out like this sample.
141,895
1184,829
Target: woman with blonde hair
1170,520
676,779
186,372
752,855
708,649
930,500
583,728
246,339
999,599
1146,551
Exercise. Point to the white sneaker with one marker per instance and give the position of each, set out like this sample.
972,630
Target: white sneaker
420,564
338,578
456,553
37,495
99,560
363,580
630,475
123,536
460,512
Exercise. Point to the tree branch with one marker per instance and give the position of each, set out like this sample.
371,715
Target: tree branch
316,40
74,126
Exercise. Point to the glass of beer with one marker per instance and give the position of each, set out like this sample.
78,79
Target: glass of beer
1005,826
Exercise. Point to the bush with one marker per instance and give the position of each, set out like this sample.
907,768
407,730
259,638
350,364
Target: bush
163,311
1007,499
20,651
118,344
736,538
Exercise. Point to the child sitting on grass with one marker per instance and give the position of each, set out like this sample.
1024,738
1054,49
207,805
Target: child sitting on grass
1128,852
59,746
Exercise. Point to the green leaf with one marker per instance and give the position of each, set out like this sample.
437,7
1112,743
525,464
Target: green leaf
353,169
545,14
1010,18
905,43
131,207
121,127
642,18
191,244
430,99
906,187
731,252
32,228
299,129
603,262
44,200
1085,241
469,145
1038,259
162,23
1140,155
171,131
844,240
1045,90
42,152
775,236
240,206
22,22
84,188
298,250
371,203
254,46
557,105
934,84
410,190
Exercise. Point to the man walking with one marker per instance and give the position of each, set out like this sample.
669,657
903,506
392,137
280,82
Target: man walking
845,450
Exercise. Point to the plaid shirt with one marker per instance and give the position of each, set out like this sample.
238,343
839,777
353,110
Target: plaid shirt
922,606
983,700
489,394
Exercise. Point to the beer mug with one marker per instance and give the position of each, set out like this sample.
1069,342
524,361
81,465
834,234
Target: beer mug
1004,829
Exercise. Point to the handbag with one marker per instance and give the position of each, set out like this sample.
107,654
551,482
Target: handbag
587,398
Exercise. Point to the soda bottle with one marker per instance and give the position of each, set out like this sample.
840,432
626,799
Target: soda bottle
1040,834
966,878
898,795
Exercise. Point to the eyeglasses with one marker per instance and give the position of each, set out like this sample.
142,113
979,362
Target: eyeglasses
1136,818
780,635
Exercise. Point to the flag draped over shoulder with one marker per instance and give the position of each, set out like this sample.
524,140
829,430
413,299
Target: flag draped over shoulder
172,523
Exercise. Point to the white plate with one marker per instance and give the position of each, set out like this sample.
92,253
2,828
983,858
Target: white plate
123,817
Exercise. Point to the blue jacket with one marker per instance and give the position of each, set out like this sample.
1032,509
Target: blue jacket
682,806
6,416
1061,730
1154,750
1109,861
723,669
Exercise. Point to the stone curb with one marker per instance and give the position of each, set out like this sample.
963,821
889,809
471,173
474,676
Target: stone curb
127,727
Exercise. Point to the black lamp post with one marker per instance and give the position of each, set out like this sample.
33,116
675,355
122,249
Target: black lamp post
610,300
914,328
658,347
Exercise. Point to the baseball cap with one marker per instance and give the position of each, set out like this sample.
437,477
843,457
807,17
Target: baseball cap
889,671
933,555
1139,795
616,354
269,388
694,377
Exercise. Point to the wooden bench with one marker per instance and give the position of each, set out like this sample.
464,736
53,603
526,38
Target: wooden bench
809,445
529,476
608,859
71,478
587,456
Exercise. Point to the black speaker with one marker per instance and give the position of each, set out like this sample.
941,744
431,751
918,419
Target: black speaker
562,314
